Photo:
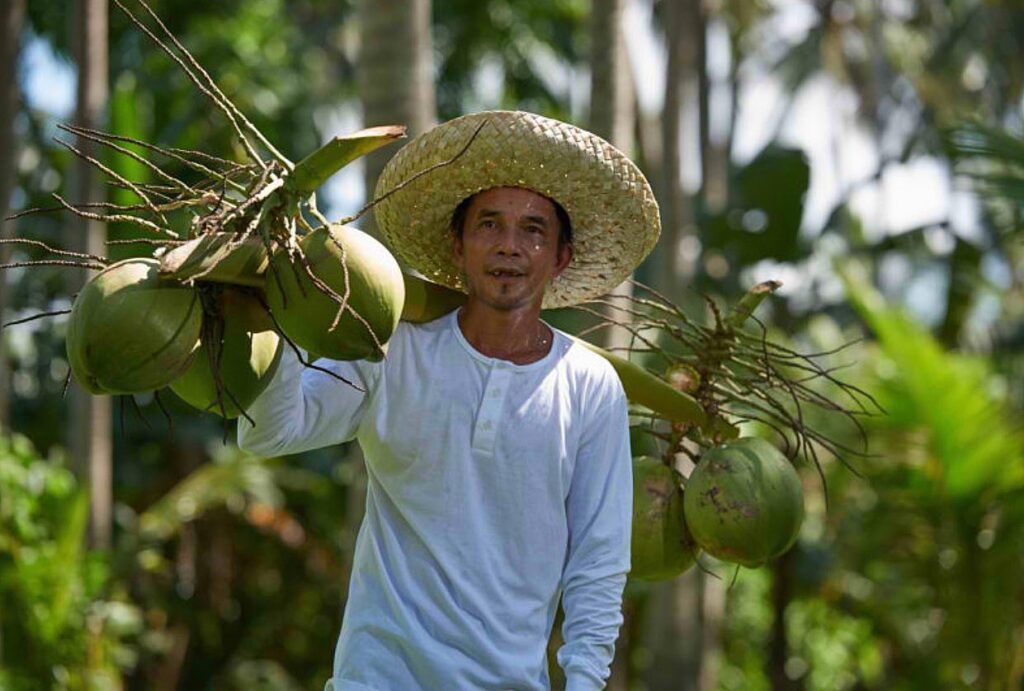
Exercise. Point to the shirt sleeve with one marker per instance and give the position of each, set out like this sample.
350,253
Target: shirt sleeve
304,408
600,514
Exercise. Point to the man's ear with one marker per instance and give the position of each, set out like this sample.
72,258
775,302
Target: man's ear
457,250
564,258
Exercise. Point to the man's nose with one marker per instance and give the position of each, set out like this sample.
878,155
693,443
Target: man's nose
508,241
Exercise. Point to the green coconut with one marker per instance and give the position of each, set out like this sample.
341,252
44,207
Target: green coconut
661,544
642,442
305,314
250,352
744,502
131,331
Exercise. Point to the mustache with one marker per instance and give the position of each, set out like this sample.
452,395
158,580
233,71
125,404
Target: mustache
511,268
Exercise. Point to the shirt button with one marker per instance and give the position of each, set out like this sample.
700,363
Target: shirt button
485,425
495,393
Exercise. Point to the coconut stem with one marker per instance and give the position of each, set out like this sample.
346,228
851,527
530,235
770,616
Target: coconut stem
103,141
213,86
116,176
54,250
183,156
114,218
246,144
53,262
147,241
298,353
163,409
33,317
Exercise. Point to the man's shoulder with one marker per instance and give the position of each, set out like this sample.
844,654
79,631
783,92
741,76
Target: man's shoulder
417,333
594,373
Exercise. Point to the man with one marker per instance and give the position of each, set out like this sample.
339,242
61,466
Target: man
497,448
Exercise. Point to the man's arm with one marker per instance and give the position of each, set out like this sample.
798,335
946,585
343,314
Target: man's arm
303,408
600,514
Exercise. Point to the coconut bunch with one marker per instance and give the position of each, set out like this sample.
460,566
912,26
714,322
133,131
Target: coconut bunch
243,264
741,499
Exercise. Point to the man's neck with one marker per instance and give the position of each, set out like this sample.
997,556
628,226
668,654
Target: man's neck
515,335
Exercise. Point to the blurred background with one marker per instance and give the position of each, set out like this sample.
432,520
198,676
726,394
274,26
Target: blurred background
797,140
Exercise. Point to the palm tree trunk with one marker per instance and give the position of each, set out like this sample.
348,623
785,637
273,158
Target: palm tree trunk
395,73
673,635
778,647
674,631
676,206
712,613
12,13
611,87
12,16
612,115
90,441
714,169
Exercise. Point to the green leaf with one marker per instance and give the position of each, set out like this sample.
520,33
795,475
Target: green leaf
764,217
66,562
973,444
315,169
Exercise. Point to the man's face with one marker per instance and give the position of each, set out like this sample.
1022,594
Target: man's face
509,249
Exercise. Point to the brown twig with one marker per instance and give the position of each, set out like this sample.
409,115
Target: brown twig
40,315
213,86
53,262
246,144
115,218
54,250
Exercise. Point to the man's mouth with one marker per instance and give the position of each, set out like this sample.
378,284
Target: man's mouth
505,273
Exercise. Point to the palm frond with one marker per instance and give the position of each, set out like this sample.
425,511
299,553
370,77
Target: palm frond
973,443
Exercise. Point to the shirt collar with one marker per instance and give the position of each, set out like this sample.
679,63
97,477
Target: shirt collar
556,347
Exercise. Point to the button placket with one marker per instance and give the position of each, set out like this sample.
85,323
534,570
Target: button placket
489,415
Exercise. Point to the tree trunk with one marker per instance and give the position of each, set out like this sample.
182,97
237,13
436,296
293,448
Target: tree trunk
778,646
712,614
674,632
714,155
12,17
714,170
964,277
90,443
611,88
676,207
395,74
612,117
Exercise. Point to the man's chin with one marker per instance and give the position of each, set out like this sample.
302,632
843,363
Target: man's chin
502,302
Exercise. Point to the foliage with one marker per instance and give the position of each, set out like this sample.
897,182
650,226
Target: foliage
924,553
910,581
763,221
523,41
58,621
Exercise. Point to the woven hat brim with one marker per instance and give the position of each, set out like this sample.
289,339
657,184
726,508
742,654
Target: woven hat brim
609,201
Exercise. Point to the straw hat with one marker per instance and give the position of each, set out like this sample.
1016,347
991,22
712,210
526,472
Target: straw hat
612,208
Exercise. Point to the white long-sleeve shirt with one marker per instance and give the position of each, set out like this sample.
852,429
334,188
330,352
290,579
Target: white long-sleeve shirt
493,489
